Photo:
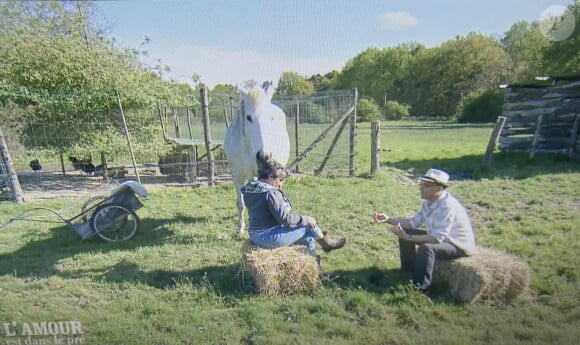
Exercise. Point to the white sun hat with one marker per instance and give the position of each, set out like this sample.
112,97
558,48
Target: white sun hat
436,176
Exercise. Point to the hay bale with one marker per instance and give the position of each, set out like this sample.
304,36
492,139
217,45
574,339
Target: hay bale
490,275
280,271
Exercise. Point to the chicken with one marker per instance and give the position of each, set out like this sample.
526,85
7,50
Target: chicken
35,165
83,164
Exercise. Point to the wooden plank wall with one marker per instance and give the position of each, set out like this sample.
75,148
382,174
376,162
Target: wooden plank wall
555,108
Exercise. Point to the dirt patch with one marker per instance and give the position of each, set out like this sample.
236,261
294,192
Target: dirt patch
48,185
38,186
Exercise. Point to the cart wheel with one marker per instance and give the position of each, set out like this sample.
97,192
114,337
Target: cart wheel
113,222
91,203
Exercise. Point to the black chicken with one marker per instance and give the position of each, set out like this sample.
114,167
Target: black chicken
83,164
35,165
89,168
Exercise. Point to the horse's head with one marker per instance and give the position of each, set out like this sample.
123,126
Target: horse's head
264,124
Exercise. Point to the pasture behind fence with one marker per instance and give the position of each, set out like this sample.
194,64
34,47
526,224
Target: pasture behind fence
413,148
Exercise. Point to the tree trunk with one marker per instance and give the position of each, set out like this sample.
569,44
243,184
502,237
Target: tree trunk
14,184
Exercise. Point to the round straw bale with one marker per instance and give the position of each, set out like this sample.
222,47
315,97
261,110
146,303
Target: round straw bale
489,275
280,271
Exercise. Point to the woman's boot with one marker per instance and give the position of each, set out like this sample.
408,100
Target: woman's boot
329,244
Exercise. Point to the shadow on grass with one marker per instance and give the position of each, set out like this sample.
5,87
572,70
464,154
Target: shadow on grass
371,279
227,280
504,164
231,281
392,281
38,257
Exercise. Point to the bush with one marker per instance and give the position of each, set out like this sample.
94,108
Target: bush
367,110
481,106
396,111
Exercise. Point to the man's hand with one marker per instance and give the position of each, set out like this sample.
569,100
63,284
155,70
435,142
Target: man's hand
381,218
398,230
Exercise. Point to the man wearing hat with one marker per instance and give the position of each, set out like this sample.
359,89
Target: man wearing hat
448,232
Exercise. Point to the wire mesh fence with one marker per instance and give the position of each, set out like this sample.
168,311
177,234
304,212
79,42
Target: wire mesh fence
314,125
50,150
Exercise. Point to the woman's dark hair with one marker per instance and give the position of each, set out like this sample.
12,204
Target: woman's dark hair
268,166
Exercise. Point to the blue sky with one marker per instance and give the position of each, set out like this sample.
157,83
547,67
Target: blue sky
230,41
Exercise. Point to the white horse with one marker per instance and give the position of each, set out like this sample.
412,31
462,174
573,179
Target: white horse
257,125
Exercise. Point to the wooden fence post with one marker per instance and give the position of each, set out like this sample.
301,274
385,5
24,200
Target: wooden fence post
226,119
232,109
104,164
351,161
297,134
193,161
161,121
375,145
176,122
492,142
126,132
574,136
189,123
536,135
207,135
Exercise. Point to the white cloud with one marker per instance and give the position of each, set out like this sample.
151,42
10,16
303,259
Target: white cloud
222,66
396,20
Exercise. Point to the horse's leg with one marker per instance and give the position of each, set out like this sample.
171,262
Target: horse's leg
241,218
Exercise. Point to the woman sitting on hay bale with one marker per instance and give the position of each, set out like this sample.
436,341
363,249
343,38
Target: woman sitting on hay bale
272,223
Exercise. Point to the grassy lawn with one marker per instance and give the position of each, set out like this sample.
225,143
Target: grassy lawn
178,281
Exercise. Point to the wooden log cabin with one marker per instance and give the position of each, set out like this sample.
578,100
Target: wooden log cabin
543,116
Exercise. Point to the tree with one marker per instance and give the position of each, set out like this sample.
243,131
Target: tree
248,84
416,85
293,84
396,111
378,72
224,88
360,72
437,78
524,43
57,60
481,106
221,94
562,57
323,82
367,110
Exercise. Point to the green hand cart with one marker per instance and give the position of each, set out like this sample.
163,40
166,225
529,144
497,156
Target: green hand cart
109,212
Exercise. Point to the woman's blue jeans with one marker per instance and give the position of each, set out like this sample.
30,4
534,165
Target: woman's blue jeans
281,236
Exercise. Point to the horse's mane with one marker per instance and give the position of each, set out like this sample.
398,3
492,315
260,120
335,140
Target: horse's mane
257,95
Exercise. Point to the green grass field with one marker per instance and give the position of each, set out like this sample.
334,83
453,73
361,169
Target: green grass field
178,281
